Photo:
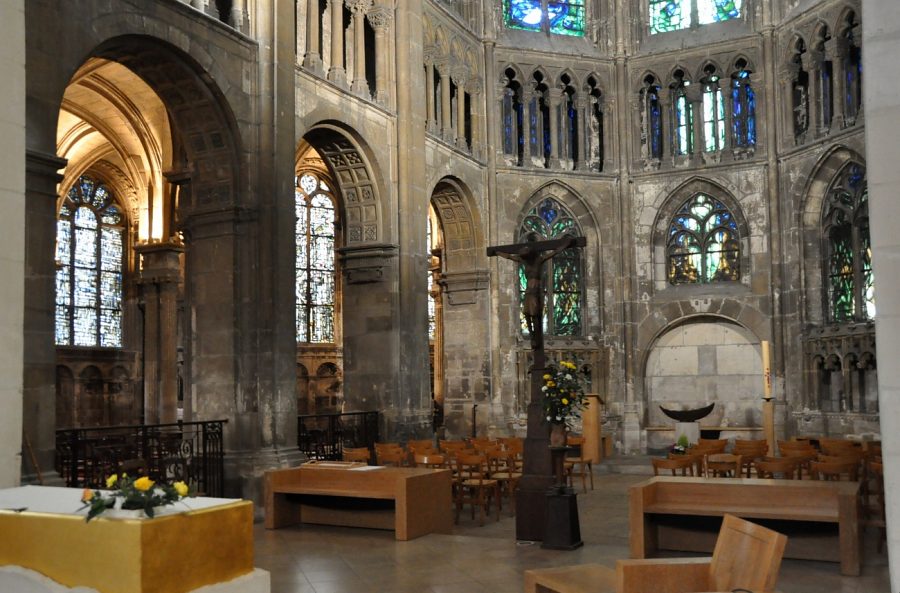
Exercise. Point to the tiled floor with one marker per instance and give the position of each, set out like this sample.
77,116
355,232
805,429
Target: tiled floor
318,559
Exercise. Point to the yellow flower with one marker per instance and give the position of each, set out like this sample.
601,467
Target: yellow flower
181,488
565,402
551,384
143,484
111,480
547,376
87,495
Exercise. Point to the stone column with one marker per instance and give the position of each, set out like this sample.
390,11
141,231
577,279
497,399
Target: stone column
238,15
39,384
159,277
668,125
430,120
336,73
694,94
381,17
786,77
555,99
313,58
475,115
724,84
446,108
359,9
530,100
580,158
813,93
836,49
460,80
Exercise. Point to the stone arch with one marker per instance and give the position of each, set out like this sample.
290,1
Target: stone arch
809,221
706,64
572,200
350,164
461,225
641,81
700,358
750,66
574,79
670,205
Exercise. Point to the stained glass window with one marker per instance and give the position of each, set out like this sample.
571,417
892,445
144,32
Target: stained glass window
674,15
743,110
90,243
703,243
563,276
562,17
314,233
852,64
713,116
651,120
429,242
684,118
848,259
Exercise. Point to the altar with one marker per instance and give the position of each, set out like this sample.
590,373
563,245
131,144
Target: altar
199,542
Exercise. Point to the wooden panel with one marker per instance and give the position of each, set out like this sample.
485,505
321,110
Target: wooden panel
584,578
666,575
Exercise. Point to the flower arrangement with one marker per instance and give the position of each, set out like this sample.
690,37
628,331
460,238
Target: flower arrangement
564,397
681,446
140,494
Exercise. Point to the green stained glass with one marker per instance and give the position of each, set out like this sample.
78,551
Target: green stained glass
850,283
703,244
669,15
684,123
563,277
713,118
714,11
563,17
566,17
89,260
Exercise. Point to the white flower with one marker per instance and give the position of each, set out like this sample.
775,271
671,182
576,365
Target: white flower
558,418
568,376
549,418
544,388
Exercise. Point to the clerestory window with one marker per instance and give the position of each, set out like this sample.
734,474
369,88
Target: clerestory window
560,17
675,15
315,271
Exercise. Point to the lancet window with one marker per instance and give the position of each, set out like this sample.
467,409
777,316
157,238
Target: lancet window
743,108
512,117
539,124
315,269
852,66
703,244
800,91
682,116
563,280
90,242
850,284
569,146
594,136
825,79
651,119
713,112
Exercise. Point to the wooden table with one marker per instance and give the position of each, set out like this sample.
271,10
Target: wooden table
681,513
582,578
410,501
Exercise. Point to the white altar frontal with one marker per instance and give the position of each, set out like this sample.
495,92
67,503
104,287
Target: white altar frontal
200,545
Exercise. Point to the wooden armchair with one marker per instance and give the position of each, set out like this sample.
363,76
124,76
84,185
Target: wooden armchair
680,462
578,464
356,454
723,465
746,556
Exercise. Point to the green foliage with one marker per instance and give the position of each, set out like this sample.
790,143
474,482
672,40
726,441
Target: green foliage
563,391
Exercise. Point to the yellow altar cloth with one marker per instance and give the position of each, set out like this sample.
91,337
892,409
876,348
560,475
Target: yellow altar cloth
201,542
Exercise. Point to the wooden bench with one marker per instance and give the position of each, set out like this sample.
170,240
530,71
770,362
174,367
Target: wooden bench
410,501
582,578
682,513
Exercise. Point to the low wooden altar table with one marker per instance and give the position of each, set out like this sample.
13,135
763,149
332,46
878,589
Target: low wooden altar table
203,541
411,501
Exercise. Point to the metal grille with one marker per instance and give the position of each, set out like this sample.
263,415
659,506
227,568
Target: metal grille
324,436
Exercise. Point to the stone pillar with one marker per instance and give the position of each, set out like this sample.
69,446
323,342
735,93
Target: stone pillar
336,73
239,15
724,84
159,277
475,115
359,9
381,17
786,77
814,93
39,385
313,58
530,98
580,157
555,99
836,49
430,120
446,107
668,124
694,95
460,80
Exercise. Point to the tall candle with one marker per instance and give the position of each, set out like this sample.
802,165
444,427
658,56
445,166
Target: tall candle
767,371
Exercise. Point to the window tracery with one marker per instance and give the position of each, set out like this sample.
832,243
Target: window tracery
713,112
703,244
90,242
563,281
675,15
315,269
848,252
682,115
743,107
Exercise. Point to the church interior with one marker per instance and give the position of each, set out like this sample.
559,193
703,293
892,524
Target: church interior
260,220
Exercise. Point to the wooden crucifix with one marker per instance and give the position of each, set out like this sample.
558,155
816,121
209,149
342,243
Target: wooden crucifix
537,471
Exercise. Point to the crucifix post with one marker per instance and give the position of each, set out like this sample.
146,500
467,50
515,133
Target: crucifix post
537,472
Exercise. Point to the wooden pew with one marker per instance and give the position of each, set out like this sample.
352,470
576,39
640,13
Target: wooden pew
411,501
678,513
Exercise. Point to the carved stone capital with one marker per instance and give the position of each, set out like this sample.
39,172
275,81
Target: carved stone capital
160,262
462,288
357,6
380,17
366,264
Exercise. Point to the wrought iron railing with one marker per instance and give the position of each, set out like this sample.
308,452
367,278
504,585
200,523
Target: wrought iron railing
324,436
188,451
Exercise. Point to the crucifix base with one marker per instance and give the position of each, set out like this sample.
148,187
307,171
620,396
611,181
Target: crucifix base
531,495
562,531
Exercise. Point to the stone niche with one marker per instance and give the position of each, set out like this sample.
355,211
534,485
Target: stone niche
700,362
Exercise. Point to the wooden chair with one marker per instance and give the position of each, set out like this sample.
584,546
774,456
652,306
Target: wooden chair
395,456
473,487
747,556
774,467
502,467
697,456
578,464
431,460
749,452
516,448
717,445
723,465
685,464
452,446
803,451
838,447
356,454
834,471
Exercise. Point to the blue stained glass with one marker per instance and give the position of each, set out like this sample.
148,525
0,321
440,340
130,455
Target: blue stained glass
523,14
548,211
848,263
714,11
703,243
566,17
855,177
